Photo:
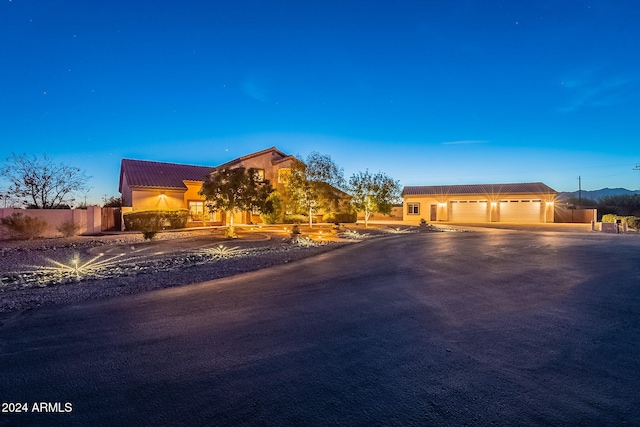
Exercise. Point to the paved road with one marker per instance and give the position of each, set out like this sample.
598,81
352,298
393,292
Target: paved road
489,327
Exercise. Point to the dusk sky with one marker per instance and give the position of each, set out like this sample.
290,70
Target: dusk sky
430,92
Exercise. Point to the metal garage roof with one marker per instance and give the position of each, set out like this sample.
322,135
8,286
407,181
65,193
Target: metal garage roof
473,189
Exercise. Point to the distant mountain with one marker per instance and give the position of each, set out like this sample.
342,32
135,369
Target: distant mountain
597,194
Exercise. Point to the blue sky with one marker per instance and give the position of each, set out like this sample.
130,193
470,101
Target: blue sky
430,92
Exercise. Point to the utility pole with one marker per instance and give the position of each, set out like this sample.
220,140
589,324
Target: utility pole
579,190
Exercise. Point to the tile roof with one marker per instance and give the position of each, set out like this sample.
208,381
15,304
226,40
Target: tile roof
495,189
142,173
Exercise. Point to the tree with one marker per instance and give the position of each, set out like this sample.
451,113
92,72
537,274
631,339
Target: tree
321,168
42,184
312,185
112,202
8,200
373,193
273,205
236,190
621,204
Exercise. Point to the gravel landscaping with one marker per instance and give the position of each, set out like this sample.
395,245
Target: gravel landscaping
42,272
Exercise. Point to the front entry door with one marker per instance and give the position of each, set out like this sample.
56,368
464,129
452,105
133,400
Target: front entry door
434,213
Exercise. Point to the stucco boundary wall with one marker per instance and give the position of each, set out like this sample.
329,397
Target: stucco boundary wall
88,220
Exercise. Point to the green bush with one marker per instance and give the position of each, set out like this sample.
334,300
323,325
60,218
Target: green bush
274,202
631,221
339,217
23,227
177,219
150,222
68,229
294,219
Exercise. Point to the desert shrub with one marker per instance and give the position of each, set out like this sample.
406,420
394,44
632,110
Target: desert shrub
23,227
230,232
338,217
149,234
274,205
147,221
631,221
294,219
68,229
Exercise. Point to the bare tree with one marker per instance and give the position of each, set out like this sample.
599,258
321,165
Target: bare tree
8,200
40,183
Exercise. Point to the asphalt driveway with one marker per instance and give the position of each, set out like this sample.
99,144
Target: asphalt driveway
493,327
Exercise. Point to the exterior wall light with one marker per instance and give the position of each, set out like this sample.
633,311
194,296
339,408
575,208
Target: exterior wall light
549,203
162,195
494,204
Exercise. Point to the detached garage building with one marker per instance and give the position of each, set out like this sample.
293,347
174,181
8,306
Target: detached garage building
524,203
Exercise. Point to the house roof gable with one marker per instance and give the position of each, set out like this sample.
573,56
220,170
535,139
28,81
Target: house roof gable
280,155
479,189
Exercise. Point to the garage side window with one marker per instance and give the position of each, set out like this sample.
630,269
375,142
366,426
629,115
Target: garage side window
413,208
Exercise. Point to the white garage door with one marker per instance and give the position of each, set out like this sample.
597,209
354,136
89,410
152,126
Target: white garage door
520,211
468,211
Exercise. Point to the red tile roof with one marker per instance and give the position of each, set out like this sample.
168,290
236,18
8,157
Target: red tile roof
495,189
142,173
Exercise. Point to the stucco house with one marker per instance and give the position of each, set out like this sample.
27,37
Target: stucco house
148,185
531,202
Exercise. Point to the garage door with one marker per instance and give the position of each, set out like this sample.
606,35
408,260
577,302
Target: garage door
520,211
468,211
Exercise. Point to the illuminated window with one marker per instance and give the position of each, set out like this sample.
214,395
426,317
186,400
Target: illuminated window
283,175
260,174
413,208
196,210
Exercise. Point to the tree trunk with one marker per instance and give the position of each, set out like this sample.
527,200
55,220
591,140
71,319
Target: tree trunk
366,218
310,217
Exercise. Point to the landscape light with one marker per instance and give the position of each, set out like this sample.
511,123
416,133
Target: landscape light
75,261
